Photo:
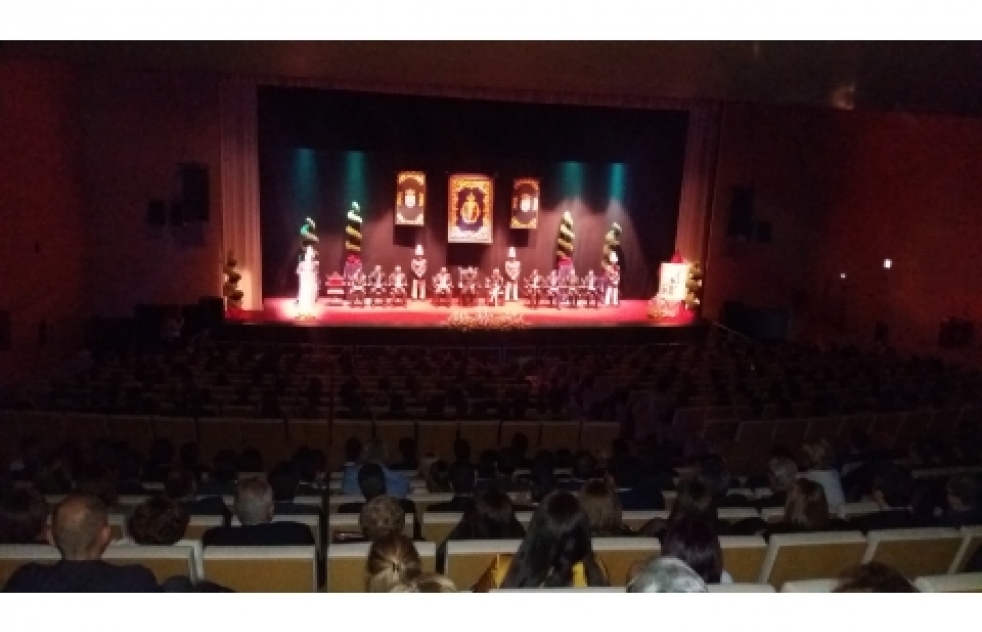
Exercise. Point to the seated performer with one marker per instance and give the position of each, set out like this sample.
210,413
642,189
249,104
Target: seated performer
468,286
534,288
572,289
356,287
443,287
590,289
495,284
376,286
397,286
555,289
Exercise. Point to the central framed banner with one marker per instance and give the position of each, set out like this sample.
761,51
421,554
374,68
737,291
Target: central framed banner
471,205
410,198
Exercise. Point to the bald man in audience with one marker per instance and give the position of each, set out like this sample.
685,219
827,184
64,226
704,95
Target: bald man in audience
80,530
254,508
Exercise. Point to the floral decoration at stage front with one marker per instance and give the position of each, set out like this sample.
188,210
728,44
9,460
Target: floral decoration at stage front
679,287
470,204
484,319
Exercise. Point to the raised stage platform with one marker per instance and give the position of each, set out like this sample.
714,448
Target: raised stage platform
422,323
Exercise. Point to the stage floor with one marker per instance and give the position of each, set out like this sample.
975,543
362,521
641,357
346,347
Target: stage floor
281,311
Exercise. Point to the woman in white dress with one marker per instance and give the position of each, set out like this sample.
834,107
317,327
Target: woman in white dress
307,296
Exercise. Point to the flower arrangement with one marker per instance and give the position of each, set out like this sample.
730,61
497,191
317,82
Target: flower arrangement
484,319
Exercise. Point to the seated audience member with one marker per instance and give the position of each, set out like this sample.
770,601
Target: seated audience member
128,475
666,575
694,500
626,475
584,471
486,466
963,501
491,517
254,509
380,517
158,521
190,459
285,483
504,479
392,561
603,509
427,583
438,478
695,542
161,458
180,486
372,483
23,518
806,510
311,467
520,448
892,490
80,530
821,470
556,552
396,485
221,477
712,472
874,578
463,477
250,461
781,475
409,461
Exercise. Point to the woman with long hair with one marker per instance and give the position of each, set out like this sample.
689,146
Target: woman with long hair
556,552
806,509
392,561
491,517
603,507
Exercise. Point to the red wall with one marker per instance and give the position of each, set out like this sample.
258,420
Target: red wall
42,236
844,191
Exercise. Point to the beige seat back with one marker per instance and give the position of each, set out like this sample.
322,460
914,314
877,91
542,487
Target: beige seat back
619,554
971,541
531,429
269,435
855,510
348,523
743,556
958,583
795,556
163,561
315,434
597,589
914,552
197,526
810,586
599,434
341,431
393,431
13,556
741,588
436,437
560,434
468,559
736,514
346,565
262,568
438,525
481,435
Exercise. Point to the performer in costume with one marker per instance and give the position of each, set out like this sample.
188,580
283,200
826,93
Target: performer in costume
418,268
513,270
443,286
376,284
397,286
356,287
572,289
591,289
307,271
612,295
495,287
534,288
468,286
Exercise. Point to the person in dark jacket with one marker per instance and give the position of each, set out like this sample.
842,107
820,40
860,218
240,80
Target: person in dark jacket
892,488
182,487
463,476
80,530
254,509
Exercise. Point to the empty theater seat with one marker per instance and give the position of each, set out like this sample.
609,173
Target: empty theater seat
914,552
346,565
743,556
262,568
618,554
438,525
957,583
795,556
468,559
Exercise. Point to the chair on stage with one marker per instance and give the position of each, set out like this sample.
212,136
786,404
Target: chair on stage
534,290
442,290
356,290
589,291
397,290
468,286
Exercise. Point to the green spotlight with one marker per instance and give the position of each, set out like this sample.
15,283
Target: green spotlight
355,178
618,182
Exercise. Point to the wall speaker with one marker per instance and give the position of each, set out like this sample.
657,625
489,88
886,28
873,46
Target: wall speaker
741,218
195,192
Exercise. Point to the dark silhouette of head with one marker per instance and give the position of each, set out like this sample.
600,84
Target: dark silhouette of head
371,480
694,541
284,480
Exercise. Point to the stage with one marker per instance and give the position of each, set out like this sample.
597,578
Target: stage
422,323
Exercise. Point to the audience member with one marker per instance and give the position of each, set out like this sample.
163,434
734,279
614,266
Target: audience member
463,477
427,583
180,486
438,479
694,541
221,477
892,493
584,471
806,510
712,472
23,518
396,484
963,502
874,578
372,483
392,561
666,575
781,475
285,483
410,460
250,461
462,451
254,508
556,551
80,530
381,516
491,517
626,474
603,508
821,470
158,521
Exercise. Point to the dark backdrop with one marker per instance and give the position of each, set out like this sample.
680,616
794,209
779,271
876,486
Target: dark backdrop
321,149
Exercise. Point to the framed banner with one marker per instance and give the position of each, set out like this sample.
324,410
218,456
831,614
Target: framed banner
525,204
471,204
410,198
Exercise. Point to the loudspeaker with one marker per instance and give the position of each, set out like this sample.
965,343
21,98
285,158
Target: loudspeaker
195,192
741,219
157,213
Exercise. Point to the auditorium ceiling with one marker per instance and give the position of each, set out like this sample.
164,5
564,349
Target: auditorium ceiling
936,77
